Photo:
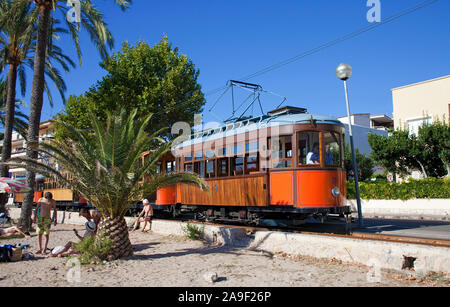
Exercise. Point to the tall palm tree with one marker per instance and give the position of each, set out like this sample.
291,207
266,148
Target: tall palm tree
105,169
18,33
20,123
92,21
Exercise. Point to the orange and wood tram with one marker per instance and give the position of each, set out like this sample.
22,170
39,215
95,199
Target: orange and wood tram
66,199
286,165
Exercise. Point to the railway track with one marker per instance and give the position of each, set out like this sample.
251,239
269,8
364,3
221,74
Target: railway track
352,235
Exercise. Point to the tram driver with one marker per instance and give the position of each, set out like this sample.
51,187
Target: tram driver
313,157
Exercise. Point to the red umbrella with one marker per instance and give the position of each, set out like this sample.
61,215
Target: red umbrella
8,185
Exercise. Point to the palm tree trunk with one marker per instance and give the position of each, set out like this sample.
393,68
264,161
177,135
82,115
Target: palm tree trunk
36,102
9,117
116,230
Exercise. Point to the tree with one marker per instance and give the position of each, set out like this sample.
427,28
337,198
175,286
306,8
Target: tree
105,169
20,123
17,43
434,145
364,163
92,21
155,80
401,152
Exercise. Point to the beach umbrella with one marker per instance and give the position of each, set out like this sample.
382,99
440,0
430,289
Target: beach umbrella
8,185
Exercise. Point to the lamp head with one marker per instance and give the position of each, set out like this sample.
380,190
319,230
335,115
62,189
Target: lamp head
343,71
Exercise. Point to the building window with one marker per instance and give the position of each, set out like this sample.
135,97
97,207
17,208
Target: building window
415,124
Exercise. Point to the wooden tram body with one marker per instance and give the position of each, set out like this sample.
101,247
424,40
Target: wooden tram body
258,168
64,197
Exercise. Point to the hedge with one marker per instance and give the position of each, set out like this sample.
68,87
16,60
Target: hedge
423,188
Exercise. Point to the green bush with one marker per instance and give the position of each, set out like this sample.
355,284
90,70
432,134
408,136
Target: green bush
193,232
424,188
93,249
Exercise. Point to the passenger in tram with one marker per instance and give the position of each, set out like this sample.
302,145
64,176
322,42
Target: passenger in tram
313,157
329,160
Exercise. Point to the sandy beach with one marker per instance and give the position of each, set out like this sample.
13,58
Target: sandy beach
175,261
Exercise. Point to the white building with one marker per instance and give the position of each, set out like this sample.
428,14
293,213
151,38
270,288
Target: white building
362,125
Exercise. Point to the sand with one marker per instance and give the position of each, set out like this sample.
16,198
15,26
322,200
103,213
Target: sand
175,261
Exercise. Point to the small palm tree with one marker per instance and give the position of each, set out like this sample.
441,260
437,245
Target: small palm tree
104,168
18,33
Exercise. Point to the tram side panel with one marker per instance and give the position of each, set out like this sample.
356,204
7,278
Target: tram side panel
308,188
245,191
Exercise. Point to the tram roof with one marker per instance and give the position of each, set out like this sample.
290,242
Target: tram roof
256,123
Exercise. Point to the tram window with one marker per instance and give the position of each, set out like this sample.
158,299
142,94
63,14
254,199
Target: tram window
251,163
308,148
222,167
199,155
199,168
210,168
170,167
237,149
238,166
188,158
188,168
158,167
222,152
332,145
253,146
281,152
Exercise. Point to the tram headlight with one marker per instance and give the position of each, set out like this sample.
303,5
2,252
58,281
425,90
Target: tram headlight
335,191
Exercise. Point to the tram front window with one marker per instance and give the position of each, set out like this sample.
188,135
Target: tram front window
332,144
281,152
308,148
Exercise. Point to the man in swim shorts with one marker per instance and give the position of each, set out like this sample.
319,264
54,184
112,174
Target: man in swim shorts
44,221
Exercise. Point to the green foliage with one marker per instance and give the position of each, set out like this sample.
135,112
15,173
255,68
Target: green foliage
364,163
155,80
424,188
93,249
193,232
104,163
400,153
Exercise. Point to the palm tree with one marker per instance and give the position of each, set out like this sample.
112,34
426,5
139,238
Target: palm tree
92,21
17,43
20,123
104,168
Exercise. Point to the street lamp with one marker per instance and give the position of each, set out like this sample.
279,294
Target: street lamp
343,72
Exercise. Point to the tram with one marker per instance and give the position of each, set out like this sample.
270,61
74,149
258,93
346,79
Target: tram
65,198
287,165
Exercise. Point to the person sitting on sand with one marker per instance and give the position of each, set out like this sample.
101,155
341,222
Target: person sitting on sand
67,250
92,215
12,232
147,212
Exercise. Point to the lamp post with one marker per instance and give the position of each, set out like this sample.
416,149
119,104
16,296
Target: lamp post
343,72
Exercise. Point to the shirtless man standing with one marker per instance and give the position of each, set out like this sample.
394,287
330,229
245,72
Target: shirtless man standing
44,221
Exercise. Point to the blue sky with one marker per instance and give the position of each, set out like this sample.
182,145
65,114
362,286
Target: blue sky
232,39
